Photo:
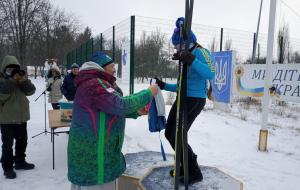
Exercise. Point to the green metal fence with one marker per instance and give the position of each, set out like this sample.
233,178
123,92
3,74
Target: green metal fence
148,45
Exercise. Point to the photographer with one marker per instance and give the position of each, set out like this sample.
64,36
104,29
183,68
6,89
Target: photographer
53,86
14,114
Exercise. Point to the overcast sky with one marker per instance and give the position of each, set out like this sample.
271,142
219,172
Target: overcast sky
236,14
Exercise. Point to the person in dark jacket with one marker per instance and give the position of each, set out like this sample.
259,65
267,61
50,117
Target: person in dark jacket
14,114
199,71
68,88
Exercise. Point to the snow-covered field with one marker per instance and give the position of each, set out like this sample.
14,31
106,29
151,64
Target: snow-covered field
227,140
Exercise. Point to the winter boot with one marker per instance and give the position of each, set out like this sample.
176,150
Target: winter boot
23,166
195,174
10,174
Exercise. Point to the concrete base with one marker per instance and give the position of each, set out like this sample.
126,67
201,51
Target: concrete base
263,139
137,165
213,178
147,171
128,183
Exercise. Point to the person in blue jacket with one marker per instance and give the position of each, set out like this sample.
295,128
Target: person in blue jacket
68,88
199,71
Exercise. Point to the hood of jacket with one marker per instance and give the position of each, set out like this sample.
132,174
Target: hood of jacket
9,60
90,70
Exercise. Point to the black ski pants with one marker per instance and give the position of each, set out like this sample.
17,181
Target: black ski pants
194,107
9,133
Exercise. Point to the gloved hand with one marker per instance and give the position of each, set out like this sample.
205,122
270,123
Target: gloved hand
160,83
19,78
175,56
49,89
186,57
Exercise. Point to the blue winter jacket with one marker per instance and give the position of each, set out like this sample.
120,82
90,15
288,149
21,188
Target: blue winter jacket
198,73
68,88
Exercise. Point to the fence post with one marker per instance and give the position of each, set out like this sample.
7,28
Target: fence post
74,57
113,44
281,50
92,47
77,56
101,41
253,48
86,50
81,54
258,51
221,39
132,35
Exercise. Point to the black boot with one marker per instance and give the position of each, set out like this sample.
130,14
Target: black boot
10,174
195,174
23,166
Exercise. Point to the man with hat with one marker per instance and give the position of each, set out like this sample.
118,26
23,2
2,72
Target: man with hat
68,88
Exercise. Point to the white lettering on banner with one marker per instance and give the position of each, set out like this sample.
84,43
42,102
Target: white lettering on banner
285,78
276,78
296,91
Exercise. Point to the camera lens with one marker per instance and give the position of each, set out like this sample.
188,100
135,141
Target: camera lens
21,72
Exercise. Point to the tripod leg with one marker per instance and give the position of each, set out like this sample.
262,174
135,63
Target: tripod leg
37,134
52,135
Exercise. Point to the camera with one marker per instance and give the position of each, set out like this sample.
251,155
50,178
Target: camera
18,71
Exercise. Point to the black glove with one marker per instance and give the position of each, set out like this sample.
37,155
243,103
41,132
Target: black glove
160,83
49,89
175,56
186,57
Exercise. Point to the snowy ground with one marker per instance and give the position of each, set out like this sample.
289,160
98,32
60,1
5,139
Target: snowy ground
224,140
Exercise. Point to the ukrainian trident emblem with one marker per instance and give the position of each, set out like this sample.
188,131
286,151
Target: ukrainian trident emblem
221,72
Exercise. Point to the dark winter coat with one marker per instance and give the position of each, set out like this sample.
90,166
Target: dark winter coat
14,105
68,88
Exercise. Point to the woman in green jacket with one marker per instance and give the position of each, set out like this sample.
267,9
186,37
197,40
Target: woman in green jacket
96,137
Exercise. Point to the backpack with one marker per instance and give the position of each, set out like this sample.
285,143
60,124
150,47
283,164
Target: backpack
208,61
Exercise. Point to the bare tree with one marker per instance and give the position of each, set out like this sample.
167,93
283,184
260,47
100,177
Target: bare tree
213,46
85,36
20,16
283,41
152,57
296,57
228,44
33,30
